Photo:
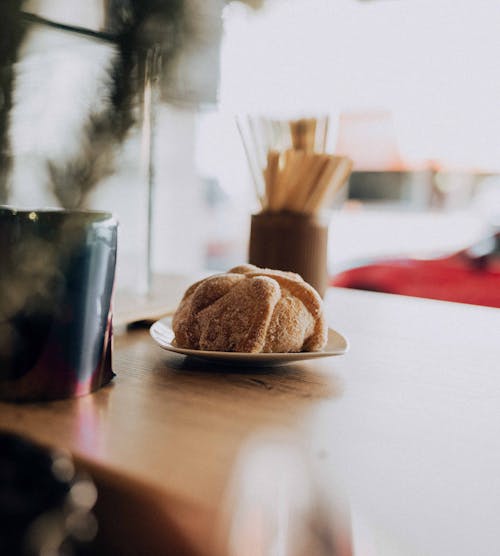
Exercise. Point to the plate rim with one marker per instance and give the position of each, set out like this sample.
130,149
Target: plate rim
237,355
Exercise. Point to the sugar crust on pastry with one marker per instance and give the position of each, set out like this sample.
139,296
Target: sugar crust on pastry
252,310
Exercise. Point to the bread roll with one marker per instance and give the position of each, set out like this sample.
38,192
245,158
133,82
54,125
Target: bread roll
251,310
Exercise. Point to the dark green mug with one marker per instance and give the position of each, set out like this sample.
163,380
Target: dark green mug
57,271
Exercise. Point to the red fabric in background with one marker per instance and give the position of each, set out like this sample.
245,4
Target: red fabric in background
456,278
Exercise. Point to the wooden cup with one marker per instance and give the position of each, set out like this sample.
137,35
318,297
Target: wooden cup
291,241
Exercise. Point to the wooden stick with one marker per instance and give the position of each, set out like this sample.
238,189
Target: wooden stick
306,182
315,175
322,184
303,134
295,178
341,169
310,135
271,175
341,177
293,162
295,134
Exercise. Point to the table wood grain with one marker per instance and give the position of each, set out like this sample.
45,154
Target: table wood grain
407,424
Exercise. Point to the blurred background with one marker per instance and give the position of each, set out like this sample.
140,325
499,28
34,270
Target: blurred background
411,90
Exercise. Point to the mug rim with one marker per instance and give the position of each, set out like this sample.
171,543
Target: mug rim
99,215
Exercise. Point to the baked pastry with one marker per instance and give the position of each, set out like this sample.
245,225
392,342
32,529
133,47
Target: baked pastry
251,310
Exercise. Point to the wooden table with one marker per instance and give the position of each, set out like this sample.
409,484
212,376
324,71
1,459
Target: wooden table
407,424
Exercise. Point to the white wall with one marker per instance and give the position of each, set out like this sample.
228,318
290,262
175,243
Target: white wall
433,63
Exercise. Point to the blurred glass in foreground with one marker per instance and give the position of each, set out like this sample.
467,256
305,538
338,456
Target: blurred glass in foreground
45,505
274,507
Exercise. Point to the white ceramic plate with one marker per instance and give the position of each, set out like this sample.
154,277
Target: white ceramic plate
162,333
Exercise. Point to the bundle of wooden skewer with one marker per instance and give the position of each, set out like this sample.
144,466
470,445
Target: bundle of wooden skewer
302,177
300,181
